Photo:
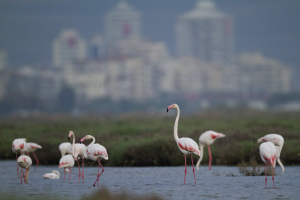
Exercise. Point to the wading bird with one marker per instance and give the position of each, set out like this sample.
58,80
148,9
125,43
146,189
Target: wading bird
207,138
95,152
18,146
269,153
185,145
31,148
53,175
78,151
276,140
65,148
66,161
24,162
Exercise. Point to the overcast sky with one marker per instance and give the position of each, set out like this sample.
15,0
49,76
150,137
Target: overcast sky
28,27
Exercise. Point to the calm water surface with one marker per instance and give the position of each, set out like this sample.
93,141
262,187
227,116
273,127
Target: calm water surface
166,182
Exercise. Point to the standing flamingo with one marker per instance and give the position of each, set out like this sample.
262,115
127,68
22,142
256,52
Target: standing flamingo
208,138
18,146
66,161
65,148
31,148
185,145
53,175
269,153
24,162
276,140
95,152
78,151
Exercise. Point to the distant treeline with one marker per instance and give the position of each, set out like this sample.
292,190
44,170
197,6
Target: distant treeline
147,140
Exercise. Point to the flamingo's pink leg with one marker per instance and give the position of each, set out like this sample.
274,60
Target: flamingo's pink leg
266,175
17,164
25,175
21,175
273,171
185,168
70,173
83,170
210,157
37,161
64,173
98,173
193,169
79,169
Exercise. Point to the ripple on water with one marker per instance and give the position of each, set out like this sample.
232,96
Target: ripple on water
166,182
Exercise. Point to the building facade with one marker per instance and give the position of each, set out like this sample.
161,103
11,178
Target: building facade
68,47
206,33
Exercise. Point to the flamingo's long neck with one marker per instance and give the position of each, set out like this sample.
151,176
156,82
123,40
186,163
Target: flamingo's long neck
26,174
176,125
201,156
93,142
73,150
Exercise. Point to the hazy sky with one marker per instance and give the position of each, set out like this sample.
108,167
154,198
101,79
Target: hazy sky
28,27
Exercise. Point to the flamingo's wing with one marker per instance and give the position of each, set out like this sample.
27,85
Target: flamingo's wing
189,145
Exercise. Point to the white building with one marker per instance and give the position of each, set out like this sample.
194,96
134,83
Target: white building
122,22
205,33
68,47
261,75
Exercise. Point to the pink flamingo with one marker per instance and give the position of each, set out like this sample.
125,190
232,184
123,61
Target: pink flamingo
78,151
276,140
95,152
24,162
31,148
269,153
18,146
66,161
208,138
185,145
65,148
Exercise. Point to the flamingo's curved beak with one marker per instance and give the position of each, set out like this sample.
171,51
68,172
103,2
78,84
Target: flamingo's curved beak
167,109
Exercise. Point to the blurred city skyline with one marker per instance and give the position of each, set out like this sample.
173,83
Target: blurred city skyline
29,27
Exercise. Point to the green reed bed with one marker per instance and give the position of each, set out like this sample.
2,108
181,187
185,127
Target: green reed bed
147,140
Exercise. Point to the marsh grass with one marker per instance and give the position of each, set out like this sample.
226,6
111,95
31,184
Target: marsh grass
253,168
147,140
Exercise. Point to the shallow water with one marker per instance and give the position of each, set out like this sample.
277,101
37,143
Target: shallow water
166,182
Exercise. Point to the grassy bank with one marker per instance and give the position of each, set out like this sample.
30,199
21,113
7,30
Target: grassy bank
147,140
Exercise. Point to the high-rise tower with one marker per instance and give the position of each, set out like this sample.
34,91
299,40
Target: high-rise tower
68,47
122,22
205,33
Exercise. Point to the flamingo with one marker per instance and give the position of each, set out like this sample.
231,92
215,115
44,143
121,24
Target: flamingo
18,146
276,140
53,175
24,162
185,145
269,153
66,161
65,148
78,151
95,152
31,148
207,138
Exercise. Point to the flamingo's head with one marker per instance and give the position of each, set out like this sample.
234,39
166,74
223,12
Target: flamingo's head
261,140
56,172
171,107
70,134
85,138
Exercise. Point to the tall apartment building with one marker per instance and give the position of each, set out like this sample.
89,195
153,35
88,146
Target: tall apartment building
262,76
206,33
122,22
68,47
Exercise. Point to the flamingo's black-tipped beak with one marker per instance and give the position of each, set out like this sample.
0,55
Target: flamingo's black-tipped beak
167,109
69,138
